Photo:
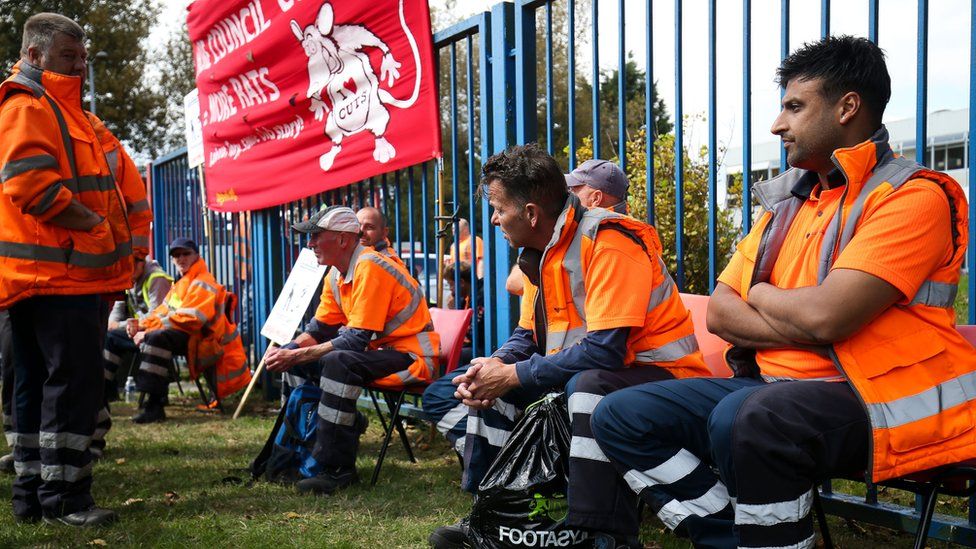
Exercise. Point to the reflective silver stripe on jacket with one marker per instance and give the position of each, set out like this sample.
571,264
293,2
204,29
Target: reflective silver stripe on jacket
52,254
47,200
87,183
22,165
936,294
232,375
930,402
138,206
669,352
416,298
204,285
194,312
112,158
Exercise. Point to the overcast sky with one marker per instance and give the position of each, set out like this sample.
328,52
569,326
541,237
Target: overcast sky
948,52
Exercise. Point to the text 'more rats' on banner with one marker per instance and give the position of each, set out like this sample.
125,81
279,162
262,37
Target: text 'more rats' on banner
302,96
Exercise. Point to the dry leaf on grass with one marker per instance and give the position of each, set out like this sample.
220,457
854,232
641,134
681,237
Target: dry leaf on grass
120,461
98,541
292,515
132,501
169,498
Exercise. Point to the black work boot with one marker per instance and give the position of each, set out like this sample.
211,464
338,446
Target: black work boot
152,410
93,516
327,482
454,536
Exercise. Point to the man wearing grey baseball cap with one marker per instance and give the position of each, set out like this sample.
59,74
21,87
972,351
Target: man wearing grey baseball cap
386,339
599,184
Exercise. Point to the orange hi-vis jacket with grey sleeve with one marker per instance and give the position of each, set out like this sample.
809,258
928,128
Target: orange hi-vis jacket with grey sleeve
50,155
196,305
379,295
130,184
589,282
914,373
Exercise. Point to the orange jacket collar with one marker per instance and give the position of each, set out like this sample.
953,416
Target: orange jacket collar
196,269
567,221
62,87
856,164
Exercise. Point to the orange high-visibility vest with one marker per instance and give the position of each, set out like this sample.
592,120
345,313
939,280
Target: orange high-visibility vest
378,294
914,373
196,305
50,155
667,338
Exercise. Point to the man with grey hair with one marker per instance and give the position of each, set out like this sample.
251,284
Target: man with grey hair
372,326
67,241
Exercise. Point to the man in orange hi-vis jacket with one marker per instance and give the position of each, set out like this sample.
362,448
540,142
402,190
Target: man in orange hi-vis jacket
372,326
839,304
66,238
191,320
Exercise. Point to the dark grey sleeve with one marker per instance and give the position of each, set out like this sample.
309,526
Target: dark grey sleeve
158,289
119,312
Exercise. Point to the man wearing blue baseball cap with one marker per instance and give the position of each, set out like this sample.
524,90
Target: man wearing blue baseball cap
599,184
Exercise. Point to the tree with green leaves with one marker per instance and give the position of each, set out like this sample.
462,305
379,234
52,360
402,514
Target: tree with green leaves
125,100
176,79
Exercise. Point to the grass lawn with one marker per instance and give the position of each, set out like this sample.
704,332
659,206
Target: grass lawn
182,484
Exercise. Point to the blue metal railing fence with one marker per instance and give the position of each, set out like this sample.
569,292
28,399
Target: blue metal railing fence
501,75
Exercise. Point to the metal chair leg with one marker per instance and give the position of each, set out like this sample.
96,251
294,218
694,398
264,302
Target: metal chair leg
395,418
386,442
930,496
822,520
376,406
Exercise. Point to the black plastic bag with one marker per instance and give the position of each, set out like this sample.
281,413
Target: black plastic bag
521,502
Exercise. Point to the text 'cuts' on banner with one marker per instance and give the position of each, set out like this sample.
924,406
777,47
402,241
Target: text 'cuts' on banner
302,96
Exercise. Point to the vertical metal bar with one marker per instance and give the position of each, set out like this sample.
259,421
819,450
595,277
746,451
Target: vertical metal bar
679,163
571,81
396,209
650,124
361,195
410,220
712,151
921,107
472,223
486,119
971,145
373,199
824,18
550,146
526,108
454,178
784,51
873,20
621,91
595,12
426,222
746,116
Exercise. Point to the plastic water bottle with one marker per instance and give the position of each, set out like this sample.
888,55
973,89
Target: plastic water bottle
130,389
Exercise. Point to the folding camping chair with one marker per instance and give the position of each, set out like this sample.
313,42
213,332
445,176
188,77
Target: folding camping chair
451,325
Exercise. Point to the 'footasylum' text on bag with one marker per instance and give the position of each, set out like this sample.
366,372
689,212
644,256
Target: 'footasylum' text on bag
521,502
287,454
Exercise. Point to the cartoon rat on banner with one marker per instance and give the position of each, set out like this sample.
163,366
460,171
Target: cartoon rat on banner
339,69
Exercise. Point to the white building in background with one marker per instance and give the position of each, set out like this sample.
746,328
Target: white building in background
946,150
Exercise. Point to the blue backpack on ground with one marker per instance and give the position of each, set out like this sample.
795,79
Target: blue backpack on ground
287,454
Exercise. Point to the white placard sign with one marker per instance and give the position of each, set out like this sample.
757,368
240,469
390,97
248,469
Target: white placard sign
194,131
292,302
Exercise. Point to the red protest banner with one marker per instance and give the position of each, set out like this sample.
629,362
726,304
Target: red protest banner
303,96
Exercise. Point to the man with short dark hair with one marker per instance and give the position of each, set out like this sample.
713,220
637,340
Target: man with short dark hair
67,240
611,318
374,232
839,304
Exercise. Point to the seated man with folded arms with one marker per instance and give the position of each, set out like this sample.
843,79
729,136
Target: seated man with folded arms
387,339
839,304
610,318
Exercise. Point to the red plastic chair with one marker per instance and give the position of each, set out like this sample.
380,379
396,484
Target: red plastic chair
451,325
711,346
